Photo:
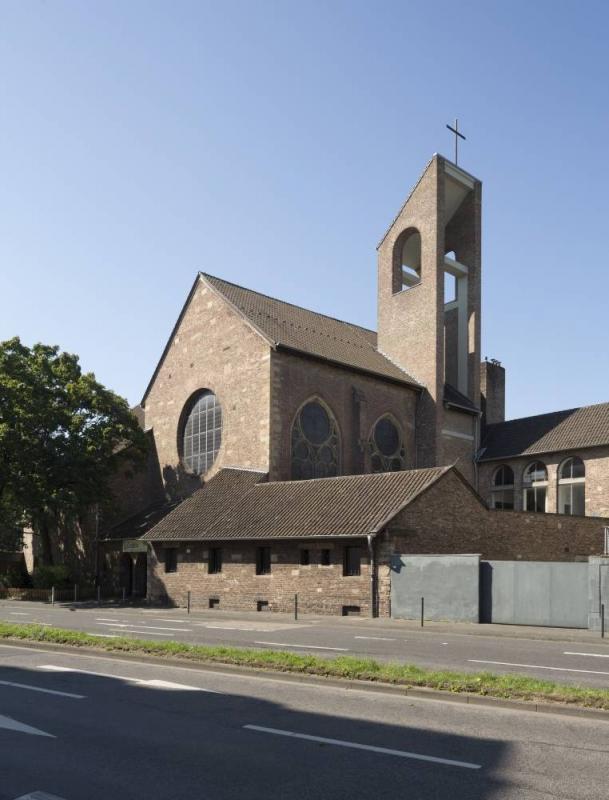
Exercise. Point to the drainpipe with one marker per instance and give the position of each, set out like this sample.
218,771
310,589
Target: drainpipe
370,538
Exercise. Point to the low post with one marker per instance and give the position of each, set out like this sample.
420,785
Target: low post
602,620
124,593
75,592
422,611
99,595
52,595
296,607
188,602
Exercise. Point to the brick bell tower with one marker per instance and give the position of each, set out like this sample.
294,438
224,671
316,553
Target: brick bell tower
429,296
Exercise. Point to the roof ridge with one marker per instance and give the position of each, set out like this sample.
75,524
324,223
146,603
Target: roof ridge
287,303
305,481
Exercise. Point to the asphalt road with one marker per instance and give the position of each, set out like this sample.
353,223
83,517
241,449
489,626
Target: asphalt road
579,657
82,727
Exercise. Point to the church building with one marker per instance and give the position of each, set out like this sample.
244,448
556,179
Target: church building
294,453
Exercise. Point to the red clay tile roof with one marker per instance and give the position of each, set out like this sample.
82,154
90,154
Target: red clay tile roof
296,328
353,505
573,429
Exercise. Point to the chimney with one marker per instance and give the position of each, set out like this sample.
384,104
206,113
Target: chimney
492,392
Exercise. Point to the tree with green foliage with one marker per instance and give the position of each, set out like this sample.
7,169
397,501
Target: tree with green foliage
62,437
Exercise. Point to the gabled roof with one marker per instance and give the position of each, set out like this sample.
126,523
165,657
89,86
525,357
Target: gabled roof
353,505
295,328
138,524
573,429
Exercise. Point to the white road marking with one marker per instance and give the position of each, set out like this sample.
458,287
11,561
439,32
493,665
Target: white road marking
232,628
20,727
154,683
103,635
40,796
536,666
106,619
376,638
40,689
20,613
372,748
141,633
144,627
305,646
592,655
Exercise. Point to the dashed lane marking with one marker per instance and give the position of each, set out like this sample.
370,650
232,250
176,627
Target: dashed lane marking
591,655
144,627
376,638
154,683
305,646
371,748
40,689
536,666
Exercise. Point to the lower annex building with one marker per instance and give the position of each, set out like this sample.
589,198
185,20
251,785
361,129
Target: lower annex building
295,453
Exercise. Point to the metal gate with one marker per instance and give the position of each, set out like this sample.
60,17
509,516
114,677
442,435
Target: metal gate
544,593
448,584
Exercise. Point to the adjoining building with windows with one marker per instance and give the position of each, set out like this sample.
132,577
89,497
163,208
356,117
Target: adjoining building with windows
292,452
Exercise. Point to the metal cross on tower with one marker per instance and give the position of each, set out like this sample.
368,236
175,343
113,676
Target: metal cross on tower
458,135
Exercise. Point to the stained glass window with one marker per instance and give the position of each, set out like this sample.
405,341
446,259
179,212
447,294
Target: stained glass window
202,433
386,448
315,443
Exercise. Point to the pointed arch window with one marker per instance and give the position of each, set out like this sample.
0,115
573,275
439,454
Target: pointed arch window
315,442
572,487
535,487
386,446
502,492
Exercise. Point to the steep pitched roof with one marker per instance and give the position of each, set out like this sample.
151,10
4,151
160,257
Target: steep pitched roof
354,505
295,328
138,524
572,429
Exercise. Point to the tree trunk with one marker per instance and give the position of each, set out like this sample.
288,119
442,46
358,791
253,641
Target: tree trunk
45,544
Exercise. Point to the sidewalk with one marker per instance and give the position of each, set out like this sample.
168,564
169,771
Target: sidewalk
380,624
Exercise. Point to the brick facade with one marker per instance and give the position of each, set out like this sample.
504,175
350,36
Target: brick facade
596,461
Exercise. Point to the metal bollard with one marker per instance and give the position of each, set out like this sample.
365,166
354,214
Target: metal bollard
602,620
99,595
124,593
75,592
422,611
188,602
296,607
52,595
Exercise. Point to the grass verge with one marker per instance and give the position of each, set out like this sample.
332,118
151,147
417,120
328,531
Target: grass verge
514,687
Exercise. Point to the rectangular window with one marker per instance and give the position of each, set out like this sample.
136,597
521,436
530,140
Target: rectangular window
171,559
263,560
324,558
214,563
352,561
305,559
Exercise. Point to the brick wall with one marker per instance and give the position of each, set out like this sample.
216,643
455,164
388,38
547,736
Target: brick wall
320,589
357,401
214,348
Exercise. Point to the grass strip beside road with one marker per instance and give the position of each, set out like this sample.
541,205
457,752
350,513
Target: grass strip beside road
514,687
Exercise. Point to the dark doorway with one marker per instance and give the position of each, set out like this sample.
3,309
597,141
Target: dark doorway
140,573
126,575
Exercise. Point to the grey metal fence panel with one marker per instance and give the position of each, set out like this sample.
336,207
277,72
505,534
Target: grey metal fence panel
544,593
449,584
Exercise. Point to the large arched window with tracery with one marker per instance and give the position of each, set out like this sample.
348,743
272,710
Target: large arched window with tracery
200,434
535,487
502,492
315,442
572,487
386,446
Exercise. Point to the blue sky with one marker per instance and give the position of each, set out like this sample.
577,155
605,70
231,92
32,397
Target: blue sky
271,143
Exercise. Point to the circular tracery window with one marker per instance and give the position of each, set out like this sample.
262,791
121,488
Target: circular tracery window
315,443
387,453
202,432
